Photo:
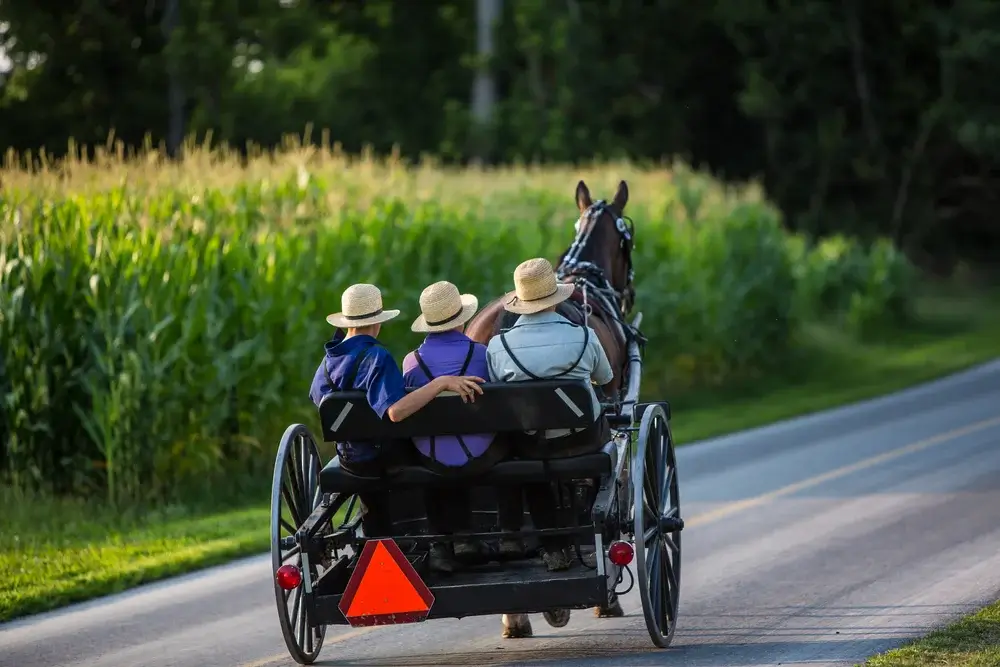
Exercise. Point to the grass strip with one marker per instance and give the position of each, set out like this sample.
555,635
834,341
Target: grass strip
973,641
57,551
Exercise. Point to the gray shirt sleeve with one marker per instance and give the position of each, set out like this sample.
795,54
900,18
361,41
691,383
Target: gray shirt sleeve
490,363
602,373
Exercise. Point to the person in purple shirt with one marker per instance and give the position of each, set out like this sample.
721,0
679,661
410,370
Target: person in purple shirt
448,351
355,360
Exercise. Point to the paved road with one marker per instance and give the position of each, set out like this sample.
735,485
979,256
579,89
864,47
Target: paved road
813,542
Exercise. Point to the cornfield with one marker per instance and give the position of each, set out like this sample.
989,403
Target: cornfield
160,322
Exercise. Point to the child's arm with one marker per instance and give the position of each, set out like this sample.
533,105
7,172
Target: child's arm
466,386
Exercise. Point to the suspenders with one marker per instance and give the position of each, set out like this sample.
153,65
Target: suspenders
517,362
430,376
583,351
352,373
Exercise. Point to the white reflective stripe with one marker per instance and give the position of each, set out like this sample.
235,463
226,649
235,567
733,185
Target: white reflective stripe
599,552
306,581
572,406
341,417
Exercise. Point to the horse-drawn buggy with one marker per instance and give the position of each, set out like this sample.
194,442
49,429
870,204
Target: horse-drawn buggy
619,505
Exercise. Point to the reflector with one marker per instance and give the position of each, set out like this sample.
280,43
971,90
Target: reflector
288,577
384,588
620,553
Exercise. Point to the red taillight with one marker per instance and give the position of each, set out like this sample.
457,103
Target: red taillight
620,553
288,577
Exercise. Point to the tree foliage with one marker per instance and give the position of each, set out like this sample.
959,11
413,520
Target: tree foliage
869,118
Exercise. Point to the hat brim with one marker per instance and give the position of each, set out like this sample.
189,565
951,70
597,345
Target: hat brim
340,321
512,304
470,304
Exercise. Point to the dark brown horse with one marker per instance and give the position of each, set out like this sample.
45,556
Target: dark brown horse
599,262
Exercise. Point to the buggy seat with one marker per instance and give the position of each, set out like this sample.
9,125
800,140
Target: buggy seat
504,407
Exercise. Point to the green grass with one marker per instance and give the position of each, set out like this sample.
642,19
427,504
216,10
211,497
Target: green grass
973,641
953,332
53,552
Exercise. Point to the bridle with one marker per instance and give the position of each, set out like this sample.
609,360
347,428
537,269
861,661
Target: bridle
590,277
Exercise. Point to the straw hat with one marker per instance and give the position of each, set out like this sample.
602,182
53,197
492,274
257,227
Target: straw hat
536,288
361,306
442,308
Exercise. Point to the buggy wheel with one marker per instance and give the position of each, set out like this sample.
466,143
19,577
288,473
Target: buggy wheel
295,493
658,525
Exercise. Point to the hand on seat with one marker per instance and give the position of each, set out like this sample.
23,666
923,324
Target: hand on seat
466,386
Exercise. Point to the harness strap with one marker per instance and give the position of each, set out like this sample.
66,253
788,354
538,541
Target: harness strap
430,376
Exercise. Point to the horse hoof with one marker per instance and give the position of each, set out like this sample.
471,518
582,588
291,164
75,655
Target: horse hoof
613,610
518,630
557,618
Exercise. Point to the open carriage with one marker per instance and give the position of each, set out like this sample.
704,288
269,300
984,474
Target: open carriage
622,504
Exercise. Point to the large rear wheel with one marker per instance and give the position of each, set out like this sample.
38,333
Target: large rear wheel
658,525
295,493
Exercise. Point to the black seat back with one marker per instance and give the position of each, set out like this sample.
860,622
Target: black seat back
503,406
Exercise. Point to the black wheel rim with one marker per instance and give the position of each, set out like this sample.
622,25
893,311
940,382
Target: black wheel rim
295,493
658,543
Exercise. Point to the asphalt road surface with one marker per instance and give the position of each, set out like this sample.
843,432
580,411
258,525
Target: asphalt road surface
817,541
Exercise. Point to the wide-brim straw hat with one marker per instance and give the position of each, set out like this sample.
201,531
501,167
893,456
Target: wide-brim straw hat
442,308
361,306
536,288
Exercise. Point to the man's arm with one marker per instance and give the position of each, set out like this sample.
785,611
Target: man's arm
602,373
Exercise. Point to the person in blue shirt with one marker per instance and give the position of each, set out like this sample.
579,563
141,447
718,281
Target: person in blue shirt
355,360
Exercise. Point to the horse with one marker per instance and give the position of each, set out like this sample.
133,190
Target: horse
599,263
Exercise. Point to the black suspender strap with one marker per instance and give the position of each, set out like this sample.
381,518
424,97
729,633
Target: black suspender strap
430,376
423,366
468,358
352,373
579,358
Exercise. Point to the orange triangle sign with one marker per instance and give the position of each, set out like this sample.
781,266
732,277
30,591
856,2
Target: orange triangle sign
384,588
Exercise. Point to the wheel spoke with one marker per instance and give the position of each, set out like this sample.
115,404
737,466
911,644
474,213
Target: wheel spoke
295,605
649,536
291,553
661,459
287,526
668,539
300,627
294,489
665,500
669,569
666,591
350,511
649,513
654,575
292,507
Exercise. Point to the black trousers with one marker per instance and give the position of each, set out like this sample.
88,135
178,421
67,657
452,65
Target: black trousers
546,500
376,516
449,508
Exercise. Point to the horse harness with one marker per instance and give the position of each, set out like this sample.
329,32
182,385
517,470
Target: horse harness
590,278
